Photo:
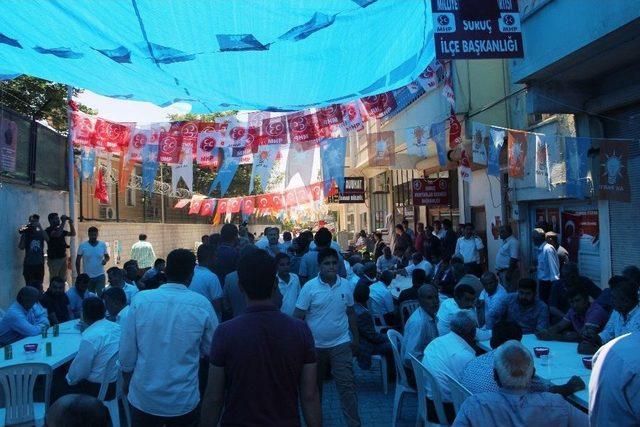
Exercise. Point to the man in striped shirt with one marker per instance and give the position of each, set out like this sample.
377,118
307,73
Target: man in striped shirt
142,251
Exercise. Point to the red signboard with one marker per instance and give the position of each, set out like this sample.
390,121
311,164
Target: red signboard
477,29
430,192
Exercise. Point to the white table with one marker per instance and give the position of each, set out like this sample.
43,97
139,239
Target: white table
563,363
399,284
64,347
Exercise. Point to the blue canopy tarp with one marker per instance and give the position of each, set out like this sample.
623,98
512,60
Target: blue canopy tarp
220,54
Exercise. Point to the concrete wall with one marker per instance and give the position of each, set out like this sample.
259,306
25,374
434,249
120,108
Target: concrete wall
17,202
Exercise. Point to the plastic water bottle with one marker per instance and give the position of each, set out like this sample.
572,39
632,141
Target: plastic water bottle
8,352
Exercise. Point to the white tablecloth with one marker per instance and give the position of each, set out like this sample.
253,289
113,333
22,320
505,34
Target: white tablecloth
64,347
563,363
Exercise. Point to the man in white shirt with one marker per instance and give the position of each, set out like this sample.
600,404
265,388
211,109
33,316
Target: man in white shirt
507,258
449,354
271,243
547,266
418,261
387,261
99,344
77,293
471,248
464,300
166,333
380,299
205,281
326,304
92,256
288,283
420,329
490,295
115,300
116,279
142,252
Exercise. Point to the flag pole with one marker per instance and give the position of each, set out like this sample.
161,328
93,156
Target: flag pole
71,181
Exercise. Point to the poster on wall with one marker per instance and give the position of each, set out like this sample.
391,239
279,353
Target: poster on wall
478,29
614,172
580,232
8,145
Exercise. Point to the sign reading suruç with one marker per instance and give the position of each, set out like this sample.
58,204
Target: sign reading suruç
477,29
353,190
430,192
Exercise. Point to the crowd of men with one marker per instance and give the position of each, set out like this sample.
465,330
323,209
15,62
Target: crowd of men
247,331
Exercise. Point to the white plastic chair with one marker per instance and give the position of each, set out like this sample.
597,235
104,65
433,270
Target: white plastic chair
425,379
379,323
112,405
459,393
382,361
18,382
407,308
402,385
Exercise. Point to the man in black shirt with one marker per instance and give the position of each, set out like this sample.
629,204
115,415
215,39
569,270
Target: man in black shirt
56,302
32,239
57,246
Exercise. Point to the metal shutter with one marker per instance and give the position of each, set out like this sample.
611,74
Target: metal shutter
625,241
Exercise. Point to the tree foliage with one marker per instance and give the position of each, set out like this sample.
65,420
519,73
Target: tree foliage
39,99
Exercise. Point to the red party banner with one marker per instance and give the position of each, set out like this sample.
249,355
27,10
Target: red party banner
329,116
275,129
139,138
110,137
223,205
83,127
303,195
317,190
170,145
196,204
517,141
182,203
291,198
352,117
100,192
206,155
234,205
302,127
455,131
208,206
189,135
248,205
378,106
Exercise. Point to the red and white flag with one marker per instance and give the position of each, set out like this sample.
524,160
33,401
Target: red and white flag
100,192
378,106
329,116
234,205
182,203
196,204
302,128
351,117
170,145
465,167
189,135
139,138
248,205
317,191
208,207
429,78
275,130
455,131
111,137
82,126
303,195
447,92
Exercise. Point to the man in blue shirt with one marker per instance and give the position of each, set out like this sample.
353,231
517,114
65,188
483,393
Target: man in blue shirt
24,318
78,293
226,253
522,307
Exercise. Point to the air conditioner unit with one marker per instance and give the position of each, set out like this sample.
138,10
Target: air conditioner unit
106,212
380,184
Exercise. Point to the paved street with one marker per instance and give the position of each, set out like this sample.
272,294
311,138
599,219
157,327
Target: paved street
376,408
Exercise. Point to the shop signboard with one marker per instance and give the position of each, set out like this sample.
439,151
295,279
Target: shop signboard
430,192
353,190
477,29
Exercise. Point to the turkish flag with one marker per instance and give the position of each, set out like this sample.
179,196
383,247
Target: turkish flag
196,204
82,127
234,205
303,195
170,145
248,205
317,191
207,207
455,131
291,198
182,203
262,202
100,191
278,202
329,116
378,106
223,205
